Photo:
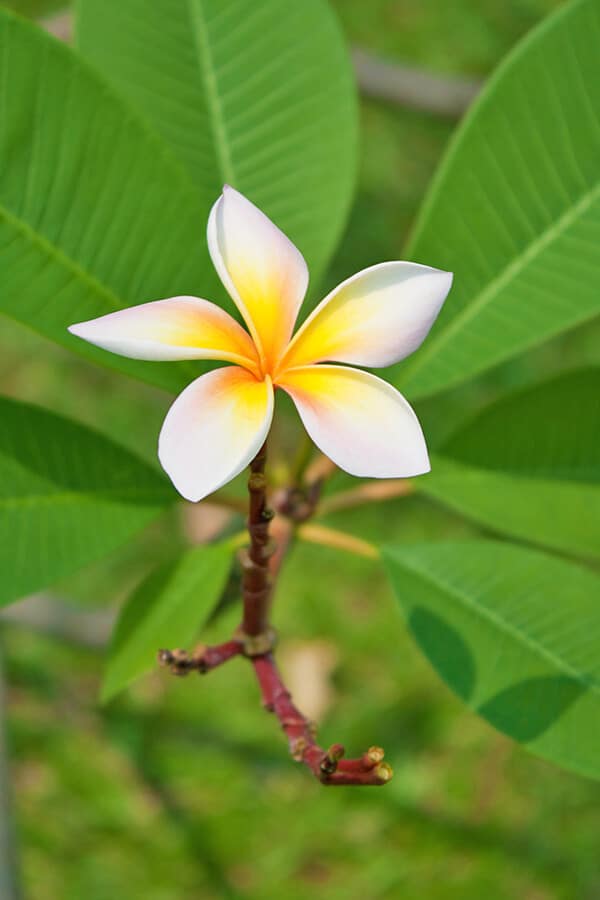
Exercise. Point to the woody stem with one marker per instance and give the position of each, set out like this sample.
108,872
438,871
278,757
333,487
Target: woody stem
329,766
255,639
257,581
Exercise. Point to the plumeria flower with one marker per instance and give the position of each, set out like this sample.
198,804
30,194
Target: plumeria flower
220,421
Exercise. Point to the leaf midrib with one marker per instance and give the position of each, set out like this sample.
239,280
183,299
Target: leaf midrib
165,153
129,111
57,254
211,89
504,626
504,277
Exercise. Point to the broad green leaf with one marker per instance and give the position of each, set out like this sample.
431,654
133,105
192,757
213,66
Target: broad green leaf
564,515
548,430
516,634
96,212
529,465
256,94
67,496
515,208
166,610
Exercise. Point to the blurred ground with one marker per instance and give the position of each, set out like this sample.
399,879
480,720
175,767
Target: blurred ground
182,788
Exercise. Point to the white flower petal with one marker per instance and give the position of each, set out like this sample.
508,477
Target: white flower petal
264,273
359,421
177,328
214,429
375,318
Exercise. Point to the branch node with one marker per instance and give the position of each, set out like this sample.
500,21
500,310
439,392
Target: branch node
266,550
298,747
256,644
330,760
257,482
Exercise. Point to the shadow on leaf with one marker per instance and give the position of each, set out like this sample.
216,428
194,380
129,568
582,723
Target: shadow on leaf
526,710
445,649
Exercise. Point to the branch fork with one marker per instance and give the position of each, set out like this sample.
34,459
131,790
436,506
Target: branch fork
255,638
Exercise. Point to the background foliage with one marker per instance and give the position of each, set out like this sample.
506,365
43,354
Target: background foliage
154,793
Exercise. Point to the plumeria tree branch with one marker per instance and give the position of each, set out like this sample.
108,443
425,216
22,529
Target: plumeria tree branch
257,580
255,638
202,660
329,766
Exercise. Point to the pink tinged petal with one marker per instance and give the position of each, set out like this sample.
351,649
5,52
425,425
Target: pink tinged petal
375,318
214,429
359,421
264,273
177,328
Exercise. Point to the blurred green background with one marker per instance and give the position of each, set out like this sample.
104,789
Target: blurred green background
183,788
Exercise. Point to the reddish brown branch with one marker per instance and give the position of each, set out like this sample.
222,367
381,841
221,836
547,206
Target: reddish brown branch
328,766
256,582
255,638
202,660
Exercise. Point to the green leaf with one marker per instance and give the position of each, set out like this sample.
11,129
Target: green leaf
259,95
529,465
514,210
96,212
166,610
67,496
548,430
558,514
516,634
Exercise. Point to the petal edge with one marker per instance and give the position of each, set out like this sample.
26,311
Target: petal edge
375,318
172,329
214,429
358,420
262,270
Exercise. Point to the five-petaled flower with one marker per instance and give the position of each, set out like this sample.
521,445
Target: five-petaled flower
219,422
